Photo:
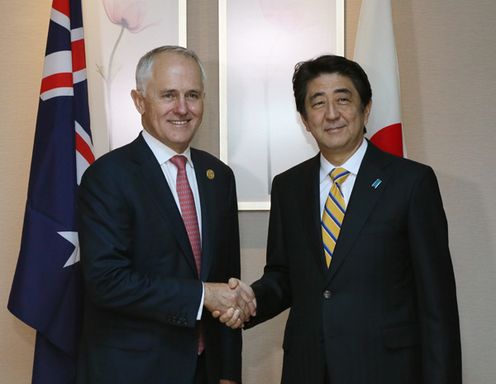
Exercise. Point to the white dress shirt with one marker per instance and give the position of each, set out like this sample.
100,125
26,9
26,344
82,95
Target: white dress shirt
352,165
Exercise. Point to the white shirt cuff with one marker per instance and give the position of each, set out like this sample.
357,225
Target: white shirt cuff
200,310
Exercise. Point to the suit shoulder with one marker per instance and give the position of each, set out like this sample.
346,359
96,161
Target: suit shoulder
299,171
408,167
301,168
110,163
404,174
205,156
209,160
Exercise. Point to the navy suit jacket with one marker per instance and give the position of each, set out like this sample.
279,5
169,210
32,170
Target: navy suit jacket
385,312
142,289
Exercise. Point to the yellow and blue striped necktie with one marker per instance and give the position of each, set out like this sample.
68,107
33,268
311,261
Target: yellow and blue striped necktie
333,215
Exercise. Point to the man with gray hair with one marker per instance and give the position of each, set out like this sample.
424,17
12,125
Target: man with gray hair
159,240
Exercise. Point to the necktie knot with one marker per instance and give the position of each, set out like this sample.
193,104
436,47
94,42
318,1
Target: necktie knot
179,161
339,175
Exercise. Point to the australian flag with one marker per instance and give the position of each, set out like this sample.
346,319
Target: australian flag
46,291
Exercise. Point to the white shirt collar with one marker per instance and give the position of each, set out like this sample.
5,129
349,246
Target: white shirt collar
352,164
161,151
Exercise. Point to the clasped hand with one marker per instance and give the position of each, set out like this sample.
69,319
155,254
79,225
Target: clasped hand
232,303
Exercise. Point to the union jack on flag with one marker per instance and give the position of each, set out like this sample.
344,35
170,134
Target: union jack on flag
46,291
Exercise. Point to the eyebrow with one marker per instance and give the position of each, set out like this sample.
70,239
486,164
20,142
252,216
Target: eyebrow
339,90
343,90
315,95
166,90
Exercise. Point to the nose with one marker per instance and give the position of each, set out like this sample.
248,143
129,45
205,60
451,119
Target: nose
181,106
332,112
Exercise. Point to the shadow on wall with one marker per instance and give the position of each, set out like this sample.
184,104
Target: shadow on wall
470,225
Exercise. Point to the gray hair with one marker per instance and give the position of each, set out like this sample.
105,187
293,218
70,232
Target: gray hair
145,64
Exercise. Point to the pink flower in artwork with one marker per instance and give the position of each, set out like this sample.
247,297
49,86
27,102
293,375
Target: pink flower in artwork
289,14
129,14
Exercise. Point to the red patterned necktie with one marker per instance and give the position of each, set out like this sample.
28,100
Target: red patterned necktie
188,213
188,208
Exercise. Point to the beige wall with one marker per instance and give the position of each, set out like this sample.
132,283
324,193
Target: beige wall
22,38
448,80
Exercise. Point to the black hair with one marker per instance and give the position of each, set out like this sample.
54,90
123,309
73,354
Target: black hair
306,71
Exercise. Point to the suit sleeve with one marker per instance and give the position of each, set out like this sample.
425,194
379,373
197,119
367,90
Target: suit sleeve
273,290
436,292
106,241
231,339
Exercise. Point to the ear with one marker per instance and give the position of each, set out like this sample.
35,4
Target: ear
366,112
305,123
139,101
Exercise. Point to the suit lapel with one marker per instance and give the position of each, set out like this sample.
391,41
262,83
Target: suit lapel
312,219
371,180
206,206
159,189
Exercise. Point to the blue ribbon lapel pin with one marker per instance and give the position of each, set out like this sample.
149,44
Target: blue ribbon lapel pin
376,183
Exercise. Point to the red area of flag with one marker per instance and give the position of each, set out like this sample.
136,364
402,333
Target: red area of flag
62,6
58,80
389,139
84,149
78,56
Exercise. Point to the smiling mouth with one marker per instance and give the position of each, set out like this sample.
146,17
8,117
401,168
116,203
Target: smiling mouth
333,129
179,122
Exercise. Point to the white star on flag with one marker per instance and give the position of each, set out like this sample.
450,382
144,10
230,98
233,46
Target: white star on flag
71,237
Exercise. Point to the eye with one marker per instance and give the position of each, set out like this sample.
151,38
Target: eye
193,95
168,95
343,100
318,103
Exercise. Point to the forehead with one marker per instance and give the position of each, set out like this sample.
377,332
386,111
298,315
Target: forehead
177,71
330,83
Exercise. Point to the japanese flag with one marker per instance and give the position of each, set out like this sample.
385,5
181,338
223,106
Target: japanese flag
375,51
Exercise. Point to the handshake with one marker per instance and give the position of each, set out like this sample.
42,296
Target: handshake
232,303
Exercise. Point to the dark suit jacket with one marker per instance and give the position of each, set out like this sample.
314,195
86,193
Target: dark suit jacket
385,312
142,289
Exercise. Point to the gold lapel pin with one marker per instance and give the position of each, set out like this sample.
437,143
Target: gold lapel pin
210,174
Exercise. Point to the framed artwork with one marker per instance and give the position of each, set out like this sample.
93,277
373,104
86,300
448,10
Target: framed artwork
117,34
260,42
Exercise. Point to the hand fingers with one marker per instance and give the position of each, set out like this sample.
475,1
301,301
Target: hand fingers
226,316
233,282
248,305
249,296
246,291
234,319
252,307
239,324
216,314
249,308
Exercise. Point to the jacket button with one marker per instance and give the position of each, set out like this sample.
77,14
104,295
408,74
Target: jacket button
327,294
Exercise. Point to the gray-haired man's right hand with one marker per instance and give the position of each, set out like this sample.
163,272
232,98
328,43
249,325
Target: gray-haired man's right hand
233,307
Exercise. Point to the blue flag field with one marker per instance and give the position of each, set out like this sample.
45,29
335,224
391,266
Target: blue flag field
46,291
